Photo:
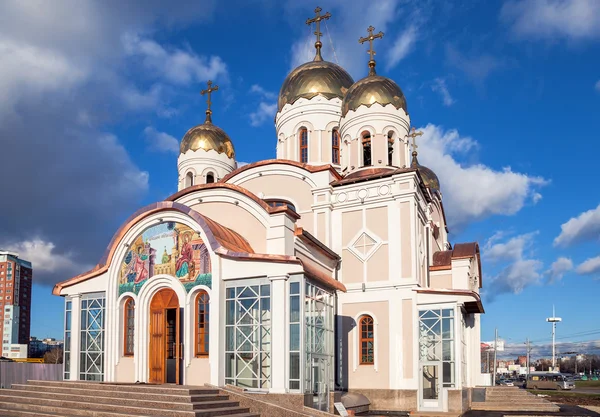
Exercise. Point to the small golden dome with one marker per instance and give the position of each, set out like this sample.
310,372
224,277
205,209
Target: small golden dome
430,179
207,136
373,89
314,78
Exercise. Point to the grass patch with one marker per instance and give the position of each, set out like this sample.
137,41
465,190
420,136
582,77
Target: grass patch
587,384
556,393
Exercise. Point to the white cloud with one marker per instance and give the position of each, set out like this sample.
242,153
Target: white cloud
44,258
558,269
161,141
473,192
573,20
590,267
519,270
262,92
439,86
402,47
476,66
175,65
264,112
584,227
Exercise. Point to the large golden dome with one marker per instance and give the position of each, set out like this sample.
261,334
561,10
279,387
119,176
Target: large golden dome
430,179
373,89
314,78
207,136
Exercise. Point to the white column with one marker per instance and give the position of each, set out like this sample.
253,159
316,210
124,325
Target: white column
279,351
75,336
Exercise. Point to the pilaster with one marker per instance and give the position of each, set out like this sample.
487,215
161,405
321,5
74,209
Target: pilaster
75,336
279,301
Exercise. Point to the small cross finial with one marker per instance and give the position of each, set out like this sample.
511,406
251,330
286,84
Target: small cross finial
208,92
413,134
317,19
371,51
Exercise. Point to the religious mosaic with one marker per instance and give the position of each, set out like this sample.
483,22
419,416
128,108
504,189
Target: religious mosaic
166,248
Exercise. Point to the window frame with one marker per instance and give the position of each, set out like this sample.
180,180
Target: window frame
199,335
211,176
362,339
366,140
303,134
126,328
335,146
189,179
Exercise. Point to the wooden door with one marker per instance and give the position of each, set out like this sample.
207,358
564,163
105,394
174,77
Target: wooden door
157,351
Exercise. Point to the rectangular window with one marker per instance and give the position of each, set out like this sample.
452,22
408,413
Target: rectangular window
67,345
437,341
335,146
91,364
248,336
294,371
304,145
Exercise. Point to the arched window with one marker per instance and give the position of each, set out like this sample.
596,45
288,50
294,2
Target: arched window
128,326
189,179
202,321
210,178
366,343
335,146
390,147
366,145
303,144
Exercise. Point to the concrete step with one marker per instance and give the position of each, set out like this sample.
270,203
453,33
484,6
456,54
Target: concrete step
121,399
150,388
485,406
25,409
31,390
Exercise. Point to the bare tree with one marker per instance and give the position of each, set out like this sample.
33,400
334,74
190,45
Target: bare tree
54,356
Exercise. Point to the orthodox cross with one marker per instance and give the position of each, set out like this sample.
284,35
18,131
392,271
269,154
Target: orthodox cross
371,51
208,92
317,19
413,134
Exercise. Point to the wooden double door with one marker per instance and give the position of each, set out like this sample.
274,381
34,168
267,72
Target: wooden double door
165,350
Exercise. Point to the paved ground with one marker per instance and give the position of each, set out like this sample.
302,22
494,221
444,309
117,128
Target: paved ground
565,410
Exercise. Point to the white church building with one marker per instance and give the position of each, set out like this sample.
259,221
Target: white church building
325,269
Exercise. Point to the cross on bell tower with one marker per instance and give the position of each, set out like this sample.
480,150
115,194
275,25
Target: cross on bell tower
208,92
371,51
413,134
317,19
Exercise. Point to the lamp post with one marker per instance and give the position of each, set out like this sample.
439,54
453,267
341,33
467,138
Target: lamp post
553,320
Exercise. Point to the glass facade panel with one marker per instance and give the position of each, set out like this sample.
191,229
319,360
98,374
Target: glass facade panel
91,365
437,342
294,371
248,336
67,345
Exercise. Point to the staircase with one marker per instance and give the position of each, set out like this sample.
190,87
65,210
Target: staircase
89,399
513,399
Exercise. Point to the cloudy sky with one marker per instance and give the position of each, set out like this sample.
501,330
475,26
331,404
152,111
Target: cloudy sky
94,97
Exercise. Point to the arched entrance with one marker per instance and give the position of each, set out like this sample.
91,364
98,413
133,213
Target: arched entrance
165,350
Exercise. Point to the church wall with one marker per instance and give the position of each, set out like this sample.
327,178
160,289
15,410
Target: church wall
351,268
378,265
368,376
407,338
314,146
326,146
198,372
243,222
441,280
321,227
377,221
125,370
406,239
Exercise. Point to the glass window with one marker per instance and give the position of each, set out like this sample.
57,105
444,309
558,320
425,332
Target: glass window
67,343
335,146
202,322
366,144
366,344
129,326
390,147
295,317
91,364
189,179
303,145
437,341
248,336
210,178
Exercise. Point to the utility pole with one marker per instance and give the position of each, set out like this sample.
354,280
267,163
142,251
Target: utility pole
528,350
553,320
495,357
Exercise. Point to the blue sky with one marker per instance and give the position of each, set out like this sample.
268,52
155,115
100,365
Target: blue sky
94,101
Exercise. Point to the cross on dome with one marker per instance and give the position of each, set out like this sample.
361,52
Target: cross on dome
208,92
371,51
317,19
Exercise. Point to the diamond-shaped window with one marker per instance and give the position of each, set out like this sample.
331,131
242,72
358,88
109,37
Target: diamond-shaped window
364,245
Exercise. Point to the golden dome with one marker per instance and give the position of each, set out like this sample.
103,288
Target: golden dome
430,179
373,89
207,136
317,77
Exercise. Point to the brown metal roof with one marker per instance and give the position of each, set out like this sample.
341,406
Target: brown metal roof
443,259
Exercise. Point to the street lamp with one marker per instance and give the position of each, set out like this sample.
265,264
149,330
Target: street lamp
553,320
